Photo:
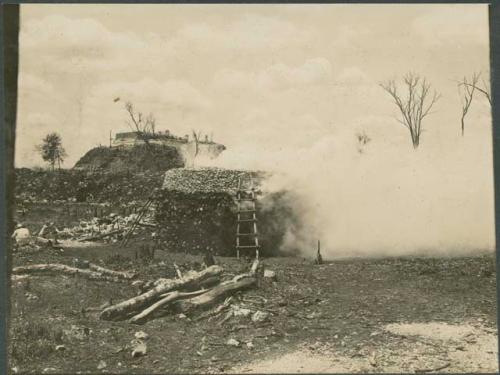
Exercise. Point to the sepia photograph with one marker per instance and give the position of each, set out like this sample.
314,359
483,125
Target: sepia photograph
252,188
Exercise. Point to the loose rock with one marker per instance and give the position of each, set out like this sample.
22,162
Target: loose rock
101,365
270,274
233,342
260,316
141,335
139,350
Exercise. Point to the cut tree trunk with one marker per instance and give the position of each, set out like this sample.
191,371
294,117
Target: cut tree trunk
252,273
169,297
124,309
54,268
214,295
106,271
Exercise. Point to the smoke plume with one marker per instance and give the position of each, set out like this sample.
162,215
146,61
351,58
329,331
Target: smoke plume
382,197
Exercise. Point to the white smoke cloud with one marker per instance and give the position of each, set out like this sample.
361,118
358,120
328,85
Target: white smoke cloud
388,200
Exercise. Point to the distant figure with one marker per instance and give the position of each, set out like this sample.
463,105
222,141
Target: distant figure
319,258
156,241
21,236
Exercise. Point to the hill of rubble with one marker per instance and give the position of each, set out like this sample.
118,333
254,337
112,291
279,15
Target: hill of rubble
139,158
79,186
196,210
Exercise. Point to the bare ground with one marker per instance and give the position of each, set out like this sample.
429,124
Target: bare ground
371,315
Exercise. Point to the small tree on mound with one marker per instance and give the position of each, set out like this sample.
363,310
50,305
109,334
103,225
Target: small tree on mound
51,150
145,126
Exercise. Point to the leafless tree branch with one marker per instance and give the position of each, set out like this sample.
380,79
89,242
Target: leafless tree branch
415,106
467,88
483,90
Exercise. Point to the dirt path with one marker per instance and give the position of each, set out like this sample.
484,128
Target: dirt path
413,347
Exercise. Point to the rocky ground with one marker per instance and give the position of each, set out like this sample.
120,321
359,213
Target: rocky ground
70,185
371,315
360,315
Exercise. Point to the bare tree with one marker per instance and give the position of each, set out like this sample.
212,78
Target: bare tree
151,124
196,137
483,88
415,105
467,89
144,126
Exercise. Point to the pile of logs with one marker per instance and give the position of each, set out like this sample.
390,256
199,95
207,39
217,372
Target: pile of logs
190,293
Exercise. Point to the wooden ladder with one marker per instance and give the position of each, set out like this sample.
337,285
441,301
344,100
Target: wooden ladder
246,218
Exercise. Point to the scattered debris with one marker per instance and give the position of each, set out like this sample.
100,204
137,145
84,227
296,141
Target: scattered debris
141,335
270,274
240,311
121,310
102,364
30,296
372,359
233,342
56,268
167,293
438,368
260,316
139,349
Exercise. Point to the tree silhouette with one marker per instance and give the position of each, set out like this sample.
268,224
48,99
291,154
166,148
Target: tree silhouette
51,150
415,106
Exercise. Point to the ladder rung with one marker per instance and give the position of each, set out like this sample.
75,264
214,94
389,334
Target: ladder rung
246,234
246,211
248,247
246,199
246,220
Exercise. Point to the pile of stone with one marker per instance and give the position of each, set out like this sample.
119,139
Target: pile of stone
38,186
196,211
109,229
209,180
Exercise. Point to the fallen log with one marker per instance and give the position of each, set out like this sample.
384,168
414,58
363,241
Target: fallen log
214,295
55,268
167,298
437,368
251,273
123,309
205,283
149,225
239,282
100,236
210,282
106,271
41,240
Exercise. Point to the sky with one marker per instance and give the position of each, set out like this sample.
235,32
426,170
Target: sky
286,88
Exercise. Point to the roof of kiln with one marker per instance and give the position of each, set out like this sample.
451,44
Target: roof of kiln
209,180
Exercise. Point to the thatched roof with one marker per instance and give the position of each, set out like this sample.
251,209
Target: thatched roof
209,180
